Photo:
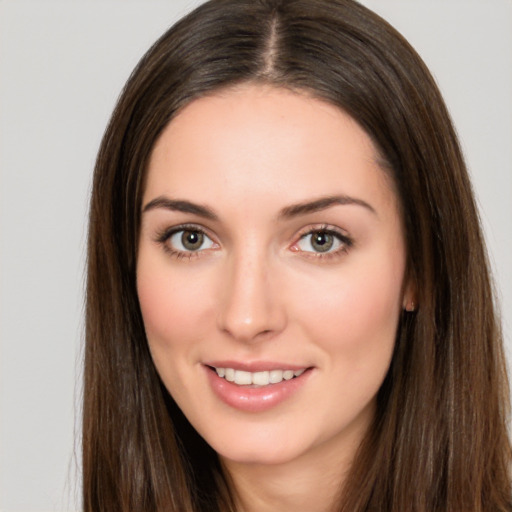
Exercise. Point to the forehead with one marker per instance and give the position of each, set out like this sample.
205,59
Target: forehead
259,140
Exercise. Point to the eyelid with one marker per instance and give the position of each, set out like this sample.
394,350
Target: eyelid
327,228
163,236
165,233
346,241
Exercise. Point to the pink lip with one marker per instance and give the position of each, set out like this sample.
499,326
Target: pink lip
254,399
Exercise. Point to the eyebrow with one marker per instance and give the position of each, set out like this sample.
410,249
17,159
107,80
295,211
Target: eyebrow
322,204
180,205
288,212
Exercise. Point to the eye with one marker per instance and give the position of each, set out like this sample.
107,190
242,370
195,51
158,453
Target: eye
190,240
323,241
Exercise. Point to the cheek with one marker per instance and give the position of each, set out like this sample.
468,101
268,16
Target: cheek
356,310
353,319
174,308
173,305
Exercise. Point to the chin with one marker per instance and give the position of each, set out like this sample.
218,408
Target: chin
264,456
270,449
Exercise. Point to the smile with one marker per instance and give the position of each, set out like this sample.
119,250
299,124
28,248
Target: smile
263,378
258,390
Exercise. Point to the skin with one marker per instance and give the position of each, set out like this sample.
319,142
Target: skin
260,291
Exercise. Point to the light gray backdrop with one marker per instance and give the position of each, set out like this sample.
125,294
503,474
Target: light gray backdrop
62,65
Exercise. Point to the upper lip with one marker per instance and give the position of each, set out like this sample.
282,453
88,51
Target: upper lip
255,366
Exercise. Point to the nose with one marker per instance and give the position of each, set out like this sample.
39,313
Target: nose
250,302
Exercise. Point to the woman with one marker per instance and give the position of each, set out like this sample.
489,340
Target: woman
288,305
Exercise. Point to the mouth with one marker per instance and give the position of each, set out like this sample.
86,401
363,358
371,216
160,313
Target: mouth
256,379
256,387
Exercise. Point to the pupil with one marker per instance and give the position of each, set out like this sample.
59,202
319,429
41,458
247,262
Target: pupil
192,240
322,241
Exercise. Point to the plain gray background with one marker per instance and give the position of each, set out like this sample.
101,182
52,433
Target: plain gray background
62,66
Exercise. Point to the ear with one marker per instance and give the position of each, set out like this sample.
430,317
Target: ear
410,300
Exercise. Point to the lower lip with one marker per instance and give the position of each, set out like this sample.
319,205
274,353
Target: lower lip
255,399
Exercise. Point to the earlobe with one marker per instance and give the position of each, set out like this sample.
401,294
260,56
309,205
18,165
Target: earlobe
410,306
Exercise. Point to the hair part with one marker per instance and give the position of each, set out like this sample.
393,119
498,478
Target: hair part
439,439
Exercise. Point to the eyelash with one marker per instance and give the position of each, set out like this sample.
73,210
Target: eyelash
346,242
164,236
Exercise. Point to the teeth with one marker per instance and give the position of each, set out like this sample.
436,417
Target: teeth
288,374
243,378
261,378
275,376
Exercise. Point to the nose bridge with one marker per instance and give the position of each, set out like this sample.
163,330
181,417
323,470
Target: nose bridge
251,308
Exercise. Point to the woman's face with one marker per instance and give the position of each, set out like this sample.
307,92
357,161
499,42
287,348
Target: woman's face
270,273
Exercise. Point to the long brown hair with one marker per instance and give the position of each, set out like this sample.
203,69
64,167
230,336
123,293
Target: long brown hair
439,440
